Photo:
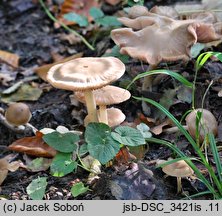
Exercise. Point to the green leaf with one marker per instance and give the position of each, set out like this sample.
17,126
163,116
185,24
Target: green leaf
96,13
108,21
62,142
36,189
25,93
80,20
101,145
196,49
162,71
144,130
201,60
78,189
115,53
128,136
62,164
83,149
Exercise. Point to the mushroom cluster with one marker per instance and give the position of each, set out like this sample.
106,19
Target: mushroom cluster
173,37
89,77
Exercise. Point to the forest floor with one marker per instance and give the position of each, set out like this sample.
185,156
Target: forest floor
28,32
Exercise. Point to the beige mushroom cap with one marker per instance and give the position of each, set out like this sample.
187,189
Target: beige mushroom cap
115,117
107,95
178,169
208,123
86,73
18,114
173,38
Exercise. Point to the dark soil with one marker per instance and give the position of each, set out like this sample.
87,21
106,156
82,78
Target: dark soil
27,31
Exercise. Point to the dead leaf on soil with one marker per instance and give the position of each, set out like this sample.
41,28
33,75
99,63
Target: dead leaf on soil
157,130
5,166
9,58
34,145
123,156
76,6
5,78
136,183
25,93
42,71
37,164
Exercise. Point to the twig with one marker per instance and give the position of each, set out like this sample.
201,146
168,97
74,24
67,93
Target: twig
65,26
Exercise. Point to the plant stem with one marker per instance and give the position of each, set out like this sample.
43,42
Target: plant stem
65,26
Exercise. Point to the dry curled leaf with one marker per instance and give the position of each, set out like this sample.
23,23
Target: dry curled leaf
5,166
33,146
9,58
42,71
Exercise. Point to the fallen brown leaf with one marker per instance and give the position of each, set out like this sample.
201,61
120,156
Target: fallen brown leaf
42,71
9,58
33,146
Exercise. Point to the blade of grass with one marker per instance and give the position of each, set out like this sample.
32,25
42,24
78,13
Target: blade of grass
201,60
216,156
167,72
189,138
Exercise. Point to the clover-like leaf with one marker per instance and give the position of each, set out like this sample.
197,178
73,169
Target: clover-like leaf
36,189
62,164
79,19
128,136
108,21
96,13
78,189
62,142
144,130
100,143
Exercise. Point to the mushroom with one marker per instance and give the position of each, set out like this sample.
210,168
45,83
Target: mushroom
86,74
115,117
178,169
173,38
18,114
107,95
208,124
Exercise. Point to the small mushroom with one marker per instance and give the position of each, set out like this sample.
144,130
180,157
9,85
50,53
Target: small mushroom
178,169
208,124
107,95
86,74
115,117
18,114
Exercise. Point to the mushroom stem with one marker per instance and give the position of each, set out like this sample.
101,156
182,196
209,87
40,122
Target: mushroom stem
103,114
9,126
179,185
147,82
91,106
